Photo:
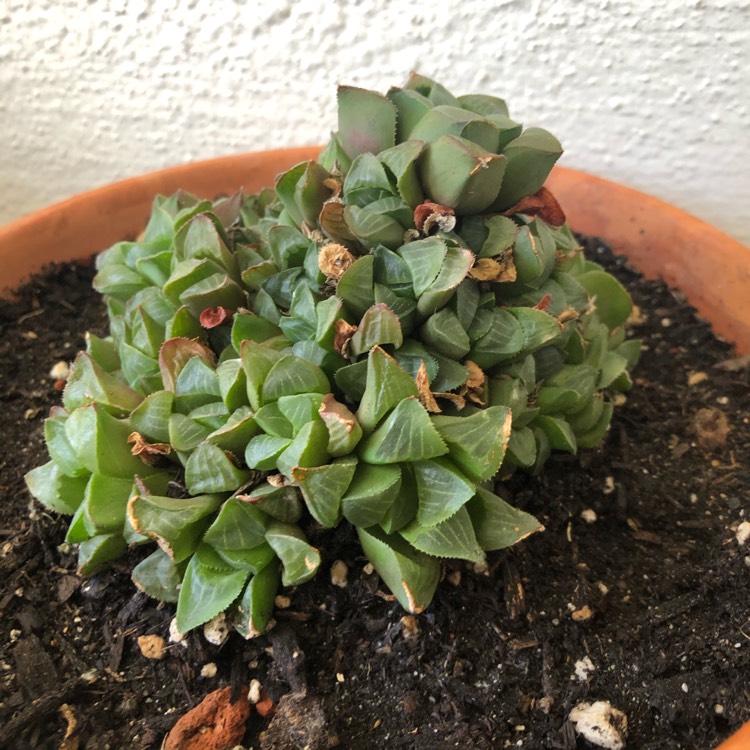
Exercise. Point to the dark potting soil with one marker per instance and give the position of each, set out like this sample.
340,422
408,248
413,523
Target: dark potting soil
638,584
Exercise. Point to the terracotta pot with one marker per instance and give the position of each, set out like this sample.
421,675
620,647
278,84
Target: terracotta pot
711,268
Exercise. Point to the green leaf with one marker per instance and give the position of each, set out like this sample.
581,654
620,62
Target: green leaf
379,326
371,494
498,525
355,286
352,380
158,577
300,560
286,186
252,560
503,339
88,382
456,265
458,173
522,448
185,434
256,605
344,431
273,422
99,550
406,435
209,469
411,575
530,157
412,107
477,442
236,432
558,431
281,503
105,503
386,386
59,448
404,507
263,451
442,490
538,327
424,258
444,333
483,104
175,354
100,442
324,486
176,524
502,234
446,120
613,305
247,326
306,450
257,361
593,437
238,525
205,592
453,538
401,160
54,489
292,375
367,121
372,228
300,409
151,416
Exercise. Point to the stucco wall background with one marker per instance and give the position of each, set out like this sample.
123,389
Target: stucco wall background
654,95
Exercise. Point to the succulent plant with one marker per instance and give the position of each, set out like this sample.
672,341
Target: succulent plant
374,340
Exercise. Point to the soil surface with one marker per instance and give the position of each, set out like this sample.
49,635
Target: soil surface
638,584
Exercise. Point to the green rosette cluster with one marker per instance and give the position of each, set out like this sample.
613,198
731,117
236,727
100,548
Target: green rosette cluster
375,340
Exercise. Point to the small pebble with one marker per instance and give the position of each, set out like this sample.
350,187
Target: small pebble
282,602
589,515
694,378
253,694
454,577
582,613
601,724
583,669
174,635
718,709
340,677
684,687
339,573
368,569
209,670
60,370
743,533
152,646
216,630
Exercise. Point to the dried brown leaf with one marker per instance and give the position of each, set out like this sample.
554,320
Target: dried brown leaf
425,394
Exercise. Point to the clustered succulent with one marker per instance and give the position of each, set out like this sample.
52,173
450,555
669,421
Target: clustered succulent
373,340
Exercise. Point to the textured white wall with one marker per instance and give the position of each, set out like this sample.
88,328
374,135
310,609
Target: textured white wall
652,94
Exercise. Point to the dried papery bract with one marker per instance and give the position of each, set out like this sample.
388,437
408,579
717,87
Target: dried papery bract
373,341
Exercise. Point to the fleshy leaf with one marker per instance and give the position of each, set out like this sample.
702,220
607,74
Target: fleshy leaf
442,490
453,537
411,575
477,442
300,560
367,121
176,524
324,486
256,605
239,525
371,493
498,525
158,576
379,326
205,592
344,431
406,435
386,386
209,469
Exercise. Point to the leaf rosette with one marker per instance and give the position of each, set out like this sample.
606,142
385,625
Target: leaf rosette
373,341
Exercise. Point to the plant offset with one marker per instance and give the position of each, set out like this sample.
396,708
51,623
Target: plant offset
374,341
